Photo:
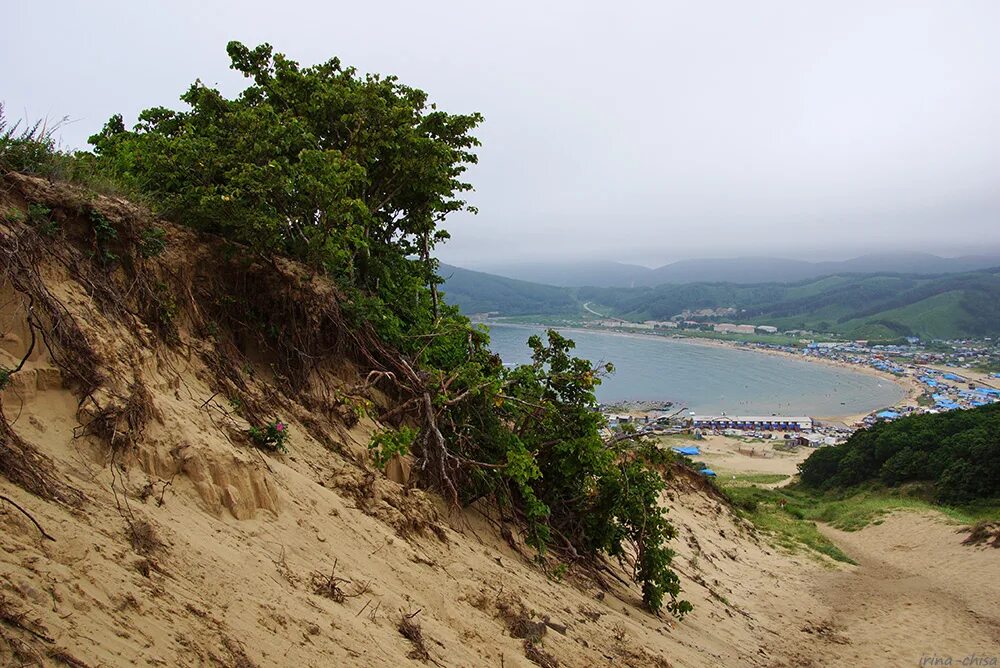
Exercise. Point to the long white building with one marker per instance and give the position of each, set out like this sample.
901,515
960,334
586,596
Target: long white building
754,422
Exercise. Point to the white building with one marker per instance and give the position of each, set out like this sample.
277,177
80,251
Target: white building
730,328
753,422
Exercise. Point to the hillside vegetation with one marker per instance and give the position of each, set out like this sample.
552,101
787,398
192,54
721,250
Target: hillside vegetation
351,176
850,305
198,466
743,270
476,292
957,452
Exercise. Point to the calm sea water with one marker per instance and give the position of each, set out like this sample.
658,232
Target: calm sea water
709,379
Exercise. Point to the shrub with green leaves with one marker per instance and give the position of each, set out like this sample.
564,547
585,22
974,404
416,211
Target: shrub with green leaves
530,437
40,216
391,443
271,437
25,147
958,451
346,171
153,242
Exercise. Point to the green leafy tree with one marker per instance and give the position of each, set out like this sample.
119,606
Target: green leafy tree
530,438
957,451
350,172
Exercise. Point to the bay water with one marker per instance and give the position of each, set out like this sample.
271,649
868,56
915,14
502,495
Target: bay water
710,378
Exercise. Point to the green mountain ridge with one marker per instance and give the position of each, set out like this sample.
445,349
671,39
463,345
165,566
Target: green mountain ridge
874,305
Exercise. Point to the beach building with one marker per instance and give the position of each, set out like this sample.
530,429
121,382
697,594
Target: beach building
729,328
767,329
754,422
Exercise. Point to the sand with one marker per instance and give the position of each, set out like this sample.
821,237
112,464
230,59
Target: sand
916,593
727,455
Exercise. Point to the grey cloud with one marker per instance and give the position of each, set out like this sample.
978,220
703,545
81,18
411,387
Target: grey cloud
634,131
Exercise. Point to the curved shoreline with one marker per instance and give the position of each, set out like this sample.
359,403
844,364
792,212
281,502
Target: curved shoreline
909,386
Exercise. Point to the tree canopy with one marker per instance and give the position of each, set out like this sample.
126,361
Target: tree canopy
957,451
346,171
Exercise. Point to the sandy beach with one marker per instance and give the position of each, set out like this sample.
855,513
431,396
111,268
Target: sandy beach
727,455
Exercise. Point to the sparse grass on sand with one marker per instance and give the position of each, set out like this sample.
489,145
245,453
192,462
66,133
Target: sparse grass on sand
860,509
790,513
743,479
763,507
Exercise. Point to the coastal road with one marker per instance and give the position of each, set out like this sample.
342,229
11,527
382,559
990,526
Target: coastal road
586,307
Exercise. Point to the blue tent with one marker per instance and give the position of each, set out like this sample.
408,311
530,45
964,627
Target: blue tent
887,415
951,376
709,472
688,450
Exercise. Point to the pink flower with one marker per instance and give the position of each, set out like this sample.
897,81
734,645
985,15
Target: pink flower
280,426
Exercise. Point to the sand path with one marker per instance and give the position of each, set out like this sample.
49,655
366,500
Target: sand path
916,594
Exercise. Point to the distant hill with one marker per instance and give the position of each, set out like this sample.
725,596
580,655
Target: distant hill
874,305
853,305
734,270
478,292
575,274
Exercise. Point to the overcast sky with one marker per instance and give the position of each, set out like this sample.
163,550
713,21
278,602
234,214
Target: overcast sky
640,132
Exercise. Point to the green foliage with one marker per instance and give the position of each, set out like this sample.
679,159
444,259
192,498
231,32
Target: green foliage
784,516
25,148
104,235
349,172
271,437
153,242
540,422
388,444
5,374
166,305
40,216
957,451
783,509
30,148
756,479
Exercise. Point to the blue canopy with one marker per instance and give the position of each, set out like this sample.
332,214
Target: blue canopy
709,472
688,450
887,415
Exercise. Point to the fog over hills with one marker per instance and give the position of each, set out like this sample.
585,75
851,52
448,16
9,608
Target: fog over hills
598,273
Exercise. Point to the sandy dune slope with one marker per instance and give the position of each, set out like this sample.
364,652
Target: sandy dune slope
180,544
